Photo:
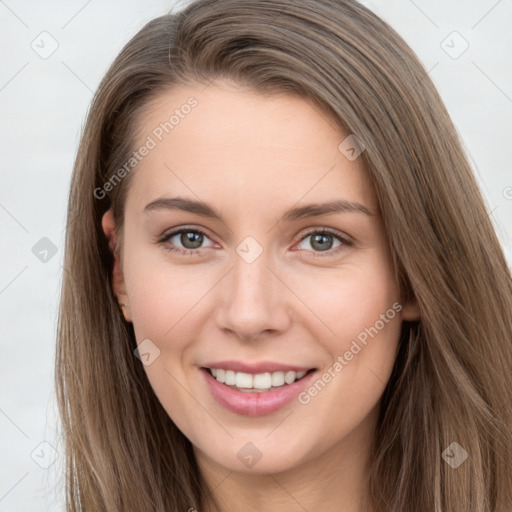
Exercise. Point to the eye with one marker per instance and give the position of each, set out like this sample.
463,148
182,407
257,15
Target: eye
324,241
184,240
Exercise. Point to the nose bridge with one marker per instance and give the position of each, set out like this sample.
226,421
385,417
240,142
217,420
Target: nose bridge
252,302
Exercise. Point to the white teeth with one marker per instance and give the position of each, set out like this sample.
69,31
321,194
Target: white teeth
260,381
277,378
229,378
243,380
289,377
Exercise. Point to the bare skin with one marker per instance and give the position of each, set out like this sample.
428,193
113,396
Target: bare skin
303,300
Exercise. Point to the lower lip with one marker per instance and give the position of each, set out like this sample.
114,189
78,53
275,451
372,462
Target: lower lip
255,404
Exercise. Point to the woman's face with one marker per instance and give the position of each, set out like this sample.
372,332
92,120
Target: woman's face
253,249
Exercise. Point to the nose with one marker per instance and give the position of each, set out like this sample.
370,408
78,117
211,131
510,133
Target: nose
253,301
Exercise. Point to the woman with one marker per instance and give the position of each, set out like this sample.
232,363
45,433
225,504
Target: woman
282,287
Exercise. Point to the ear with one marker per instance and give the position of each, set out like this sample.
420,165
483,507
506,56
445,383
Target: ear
118,284
411,311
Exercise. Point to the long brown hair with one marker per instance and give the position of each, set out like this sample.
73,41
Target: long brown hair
452,378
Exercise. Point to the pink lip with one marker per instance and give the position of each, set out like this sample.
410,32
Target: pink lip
254,404
254,368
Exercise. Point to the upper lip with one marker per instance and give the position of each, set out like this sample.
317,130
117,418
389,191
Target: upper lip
257,367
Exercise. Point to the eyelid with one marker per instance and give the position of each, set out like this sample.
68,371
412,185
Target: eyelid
330,231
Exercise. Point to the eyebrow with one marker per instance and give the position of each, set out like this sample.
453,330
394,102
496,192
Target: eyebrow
309,210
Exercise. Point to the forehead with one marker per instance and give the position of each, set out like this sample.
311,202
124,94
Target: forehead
244,146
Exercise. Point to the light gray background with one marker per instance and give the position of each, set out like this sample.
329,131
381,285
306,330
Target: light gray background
43,103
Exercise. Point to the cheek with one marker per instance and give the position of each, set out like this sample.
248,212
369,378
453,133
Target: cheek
164,302
163,297
344,302
356,318
364,313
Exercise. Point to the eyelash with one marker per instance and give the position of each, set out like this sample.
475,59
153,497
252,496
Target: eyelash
345,242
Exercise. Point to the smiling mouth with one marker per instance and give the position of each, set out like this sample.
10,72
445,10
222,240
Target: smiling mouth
256,383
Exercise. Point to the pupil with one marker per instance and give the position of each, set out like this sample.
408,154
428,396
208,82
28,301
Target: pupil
321,242
191,240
